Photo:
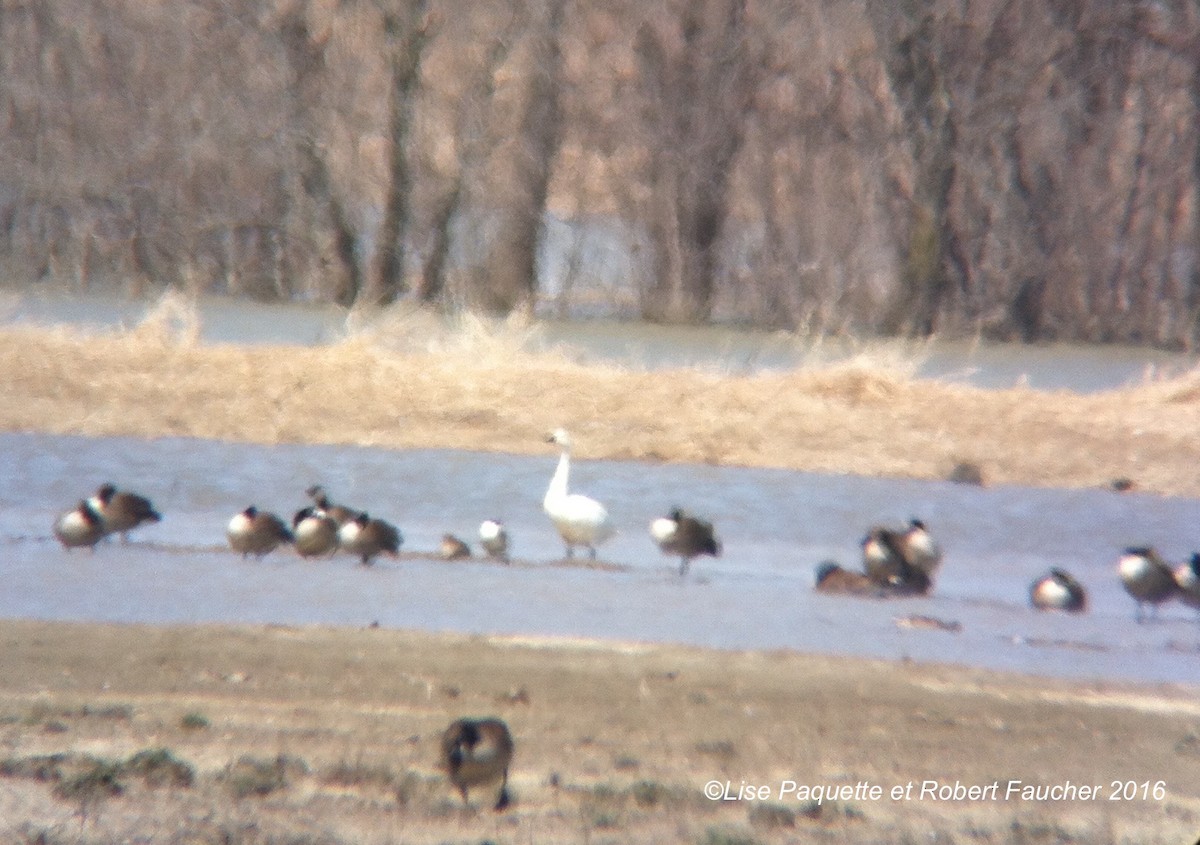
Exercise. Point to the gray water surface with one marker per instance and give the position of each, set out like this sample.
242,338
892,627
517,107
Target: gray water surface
776,526
1079,368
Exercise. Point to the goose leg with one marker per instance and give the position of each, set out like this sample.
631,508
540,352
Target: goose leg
592,552
502,800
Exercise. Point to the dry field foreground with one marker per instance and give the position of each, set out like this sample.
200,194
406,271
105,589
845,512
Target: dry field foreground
401,385
251,735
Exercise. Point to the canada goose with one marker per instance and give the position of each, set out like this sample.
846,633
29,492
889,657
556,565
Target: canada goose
255,532
1057,590
338,513
82,526
1187,579
1147,578
494,539
316,532
886,562
883,561
476,752
685,536
581,521
453,548
121,512
366,537
832,578
919,548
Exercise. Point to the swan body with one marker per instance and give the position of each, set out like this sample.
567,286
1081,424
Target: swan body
580,520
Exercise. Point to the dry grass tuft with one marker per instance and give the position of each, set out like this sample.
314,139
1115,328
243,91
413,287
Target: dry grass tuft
407,378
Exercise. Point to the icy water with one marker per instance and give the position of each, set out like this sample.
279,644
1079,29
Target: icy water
776,526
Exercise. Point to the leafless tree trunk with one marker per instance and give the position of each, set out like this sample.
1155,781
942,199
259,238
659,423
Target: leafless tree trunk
306,57
524,167
912,55
470,141
405,35
697,82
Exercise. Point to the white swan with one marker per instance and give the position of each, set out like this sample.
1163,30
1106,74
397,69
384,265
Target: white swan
580,520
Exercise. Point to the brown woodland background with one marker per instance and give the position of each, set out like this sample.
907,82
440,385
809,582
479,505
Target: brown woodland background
1016,168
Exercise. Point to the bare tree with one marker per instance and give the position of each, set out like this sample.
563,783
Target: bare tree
470,140
696,80
523,165
305,54
405,35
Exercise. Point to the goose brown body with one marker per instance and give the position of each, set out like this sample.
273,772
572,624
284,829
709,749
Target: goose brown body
367,538
80,527
338,513
1147,578
684,536
315,532
478,752
122,511
255,532
452,548
1058,590
494,538
832,578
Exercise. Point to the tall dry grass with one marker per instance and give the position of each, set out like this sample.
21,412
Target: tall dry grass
408,378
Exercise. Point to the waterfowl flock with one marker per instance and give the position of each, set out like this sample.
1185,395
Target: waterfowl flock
896,561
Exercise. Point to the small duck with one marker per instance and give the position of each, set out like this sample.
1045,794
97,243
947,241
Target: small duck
477,752
832,578
316,532
494,538
453,548
258,533
684,536
1147,578
1187,579
82,526
338,513
122,511
1058,590
367,538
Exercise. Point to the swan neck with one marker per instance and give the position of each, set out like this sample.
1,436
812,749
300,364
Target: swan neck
558,483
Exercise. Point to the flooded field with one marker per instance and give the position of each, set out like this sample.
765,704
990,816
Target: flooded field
730,350
776,525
